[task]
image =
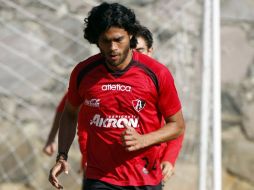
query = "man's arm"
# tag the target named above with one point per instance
(172, 149)
(173, 128)
(169, 156)
(67, 131)
(50, 146)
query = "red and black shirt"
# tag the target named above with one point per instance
(140, 95)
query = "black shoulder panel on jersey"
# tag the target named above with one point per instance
(149, 72)
(87, 69)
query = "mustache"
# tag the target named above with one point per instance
(113, 53)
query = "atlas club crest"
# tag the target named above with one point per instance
(138, 104)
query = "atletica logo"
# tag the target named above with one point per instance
(93, 102)
(116, 87)
(114, 121)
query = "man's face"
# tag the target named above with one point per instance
(142, 46)
(114, 44)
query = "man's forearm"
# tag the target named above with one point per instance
(168, 132)
(67, 131)
(172, 150)
(174, 127)
(54, 128)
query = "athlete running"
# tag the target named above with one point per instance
(124, 95)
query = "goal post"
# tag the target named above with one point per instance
(211, 98)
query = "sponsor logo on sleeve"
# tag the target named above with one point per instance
(93, 103)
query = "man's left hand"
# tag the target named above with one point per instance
(167, 170)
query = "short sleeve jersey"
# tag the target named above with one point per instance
(138, 96)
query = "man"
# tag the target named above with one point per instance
(171, 149)
(144, 41)
(124, 95)
(169, 152)
(144, 45)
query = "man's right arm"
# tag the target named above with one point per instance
(67, 130)
(50, 146)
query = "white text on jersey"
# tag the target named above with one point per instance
(115, 122)
(116, 87)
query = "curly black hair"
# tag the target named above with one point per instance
(106, 15)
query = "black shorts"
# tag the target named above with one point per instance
(93, 184)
